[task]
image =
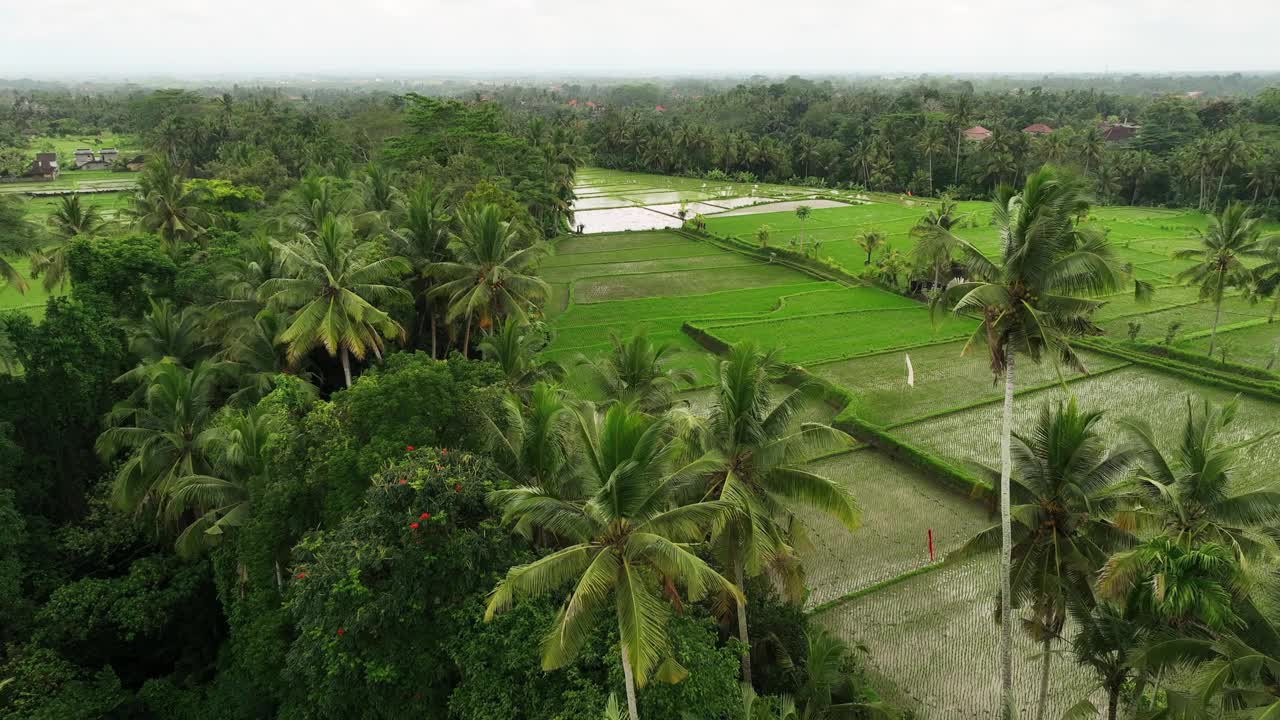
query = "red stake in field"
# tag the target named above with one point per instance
(930, 544)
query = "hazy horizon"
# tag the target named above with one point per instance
(57, 39)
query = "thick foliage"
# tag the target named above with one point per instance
(371, 600)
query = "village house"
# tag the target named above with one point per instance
(86, 159)
(44, 167)
(977, 133)
(1118, 132)
(1037, 129)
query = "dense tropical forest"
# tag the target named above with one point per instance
(1183, 152)
(292, 424)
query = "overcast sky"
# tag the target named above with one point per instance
(135, 37)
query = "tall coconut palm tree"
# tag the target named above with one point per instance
(1108, 638)
(378, 192)
(515, 347)
(71, 219)
(16, 238)
(491, 276)
(1092, 146)
(934, 251)
(1178, 583)
(1232, 238)
(1230, 151)
(238, 278)
(1066, 484)
(166, 206)
(236, 449)
(338, 293)
(629, 543)
(760, 449)
(959, 112)
(68, 220)
(1030, 303)
(870, 241)
(169, 331)
(423, 239)
(802, 213)
(1201, 156)
(256, 359)
(1266, 280)
(636, 372)
(1238, 673)
(1138, 165)
(315, 199)
(932, 141)
(1189, 495)
(160, 432)
(532, 440)
(762, 235)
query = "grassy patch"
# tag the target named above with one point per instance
(31, 302)
(689, 282)
(890, 542)
(944, 378)
(932, 633)
(973, 435)
(814, 338)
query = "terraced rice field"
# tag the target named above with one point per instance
(890, 542)
(973, 435)
(923, 623)
(836, 334)
(944, 379)
(1257, 345)
(926, 631)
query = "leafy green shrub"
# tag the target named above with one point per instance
(46, 686)
(125, 271)
(500, 663)
(372, 600)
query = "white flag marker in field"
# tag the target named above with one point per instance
(911, 372)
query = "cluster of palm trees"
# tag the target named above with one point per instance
(1140, 559)
(632, 495)
(343, 272)
(1233, 254)
(1066, 500)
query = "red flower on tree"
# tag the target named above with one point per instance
(444, 451)
(425, 516)
(408, 448)
(403, 481)
(413, 525)
(341, 632)
(457, 487)
(300, 576)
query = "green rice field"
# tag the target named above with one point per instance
(31, 302)
(922, 621)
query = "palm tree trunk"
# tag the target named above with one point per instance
(466, 339)
(959, 139)
(742, 624)
(1217, 315)
(1113, 700)
(346, 365)
(1221, 178)
(1006, 545)
(1044, 679)
(930, 173)
(630, 681)
(1139, 689)
(431, 311)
